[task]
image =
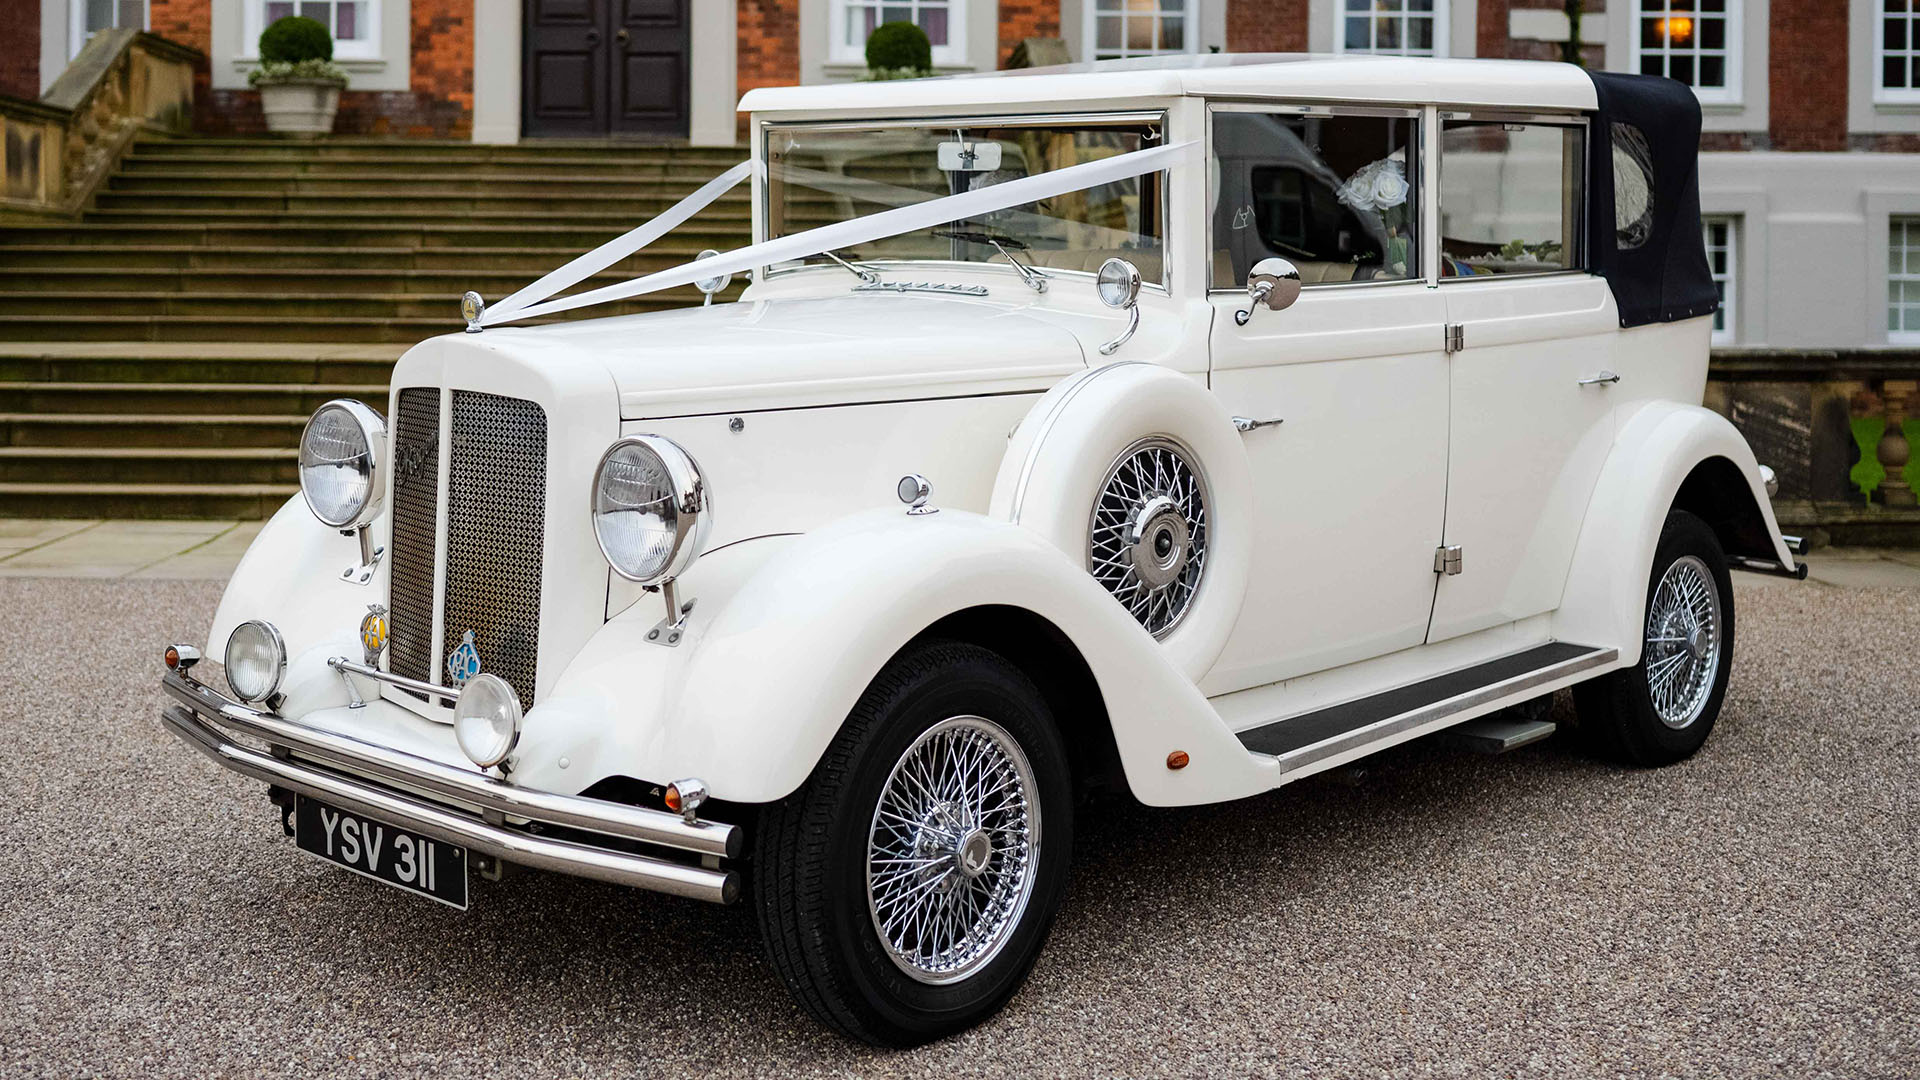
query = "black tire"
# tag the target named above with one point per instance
(1619, 717)
(811, 849)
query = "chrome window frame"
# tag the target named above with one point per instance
(1537, 118)
(1159, 117)
(1421, 115)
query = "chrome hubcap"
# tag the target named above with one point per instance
(1147, 540)
(1684, 634)
(952, 849)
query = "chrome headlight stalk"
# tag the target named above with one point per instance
(650, 517)
(343, 458)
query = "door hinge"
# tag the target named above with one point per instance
(1446, 560)
(1456, 337)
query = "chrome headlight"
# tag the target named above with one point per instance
(649, 509)
(341, 452)
(486, 720)
(256, 660)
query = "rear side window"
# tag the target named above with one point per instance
(1337, 196)
(1510, 198)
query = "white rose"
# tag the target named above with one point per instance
(1389, 189)
(1357, 192)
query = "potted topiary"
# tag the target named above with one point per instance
(898, 50)
(298, 81)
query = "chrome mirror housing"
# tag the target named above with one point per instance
(1118, 285)
(712, 285)
(1273, 282)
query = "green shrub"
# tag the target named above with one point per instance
(293, 39)
(897, 45)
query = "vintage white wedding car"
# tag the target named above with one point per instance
(1252, 414)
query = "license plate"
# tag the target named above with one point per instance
(383, 852)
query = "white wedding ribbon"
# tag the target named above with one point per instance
(860, 230)
(584, 267)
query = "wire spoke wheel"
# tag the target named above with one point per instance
(951, 853)
(1147, 540)
(1685, 632)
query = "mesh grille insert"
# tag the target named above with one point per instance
(416, 493)
(496, 530)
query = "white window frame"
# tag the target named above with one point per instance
(952, 54)
(1442, 25)
(1910, 223)
(1735, 19)
(255, 21)
(77, 23)
(1729, 281)
(1882, 93)
(1090, 29)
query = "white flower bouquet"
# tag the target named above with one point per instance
(1381, 190)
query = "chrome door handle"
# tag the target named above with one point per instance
(1605, 378)
(620, 35)
(1245, 424)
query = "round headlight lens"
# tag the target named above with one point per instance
(649, 509)
(1118, 283)
(256, 660)
(339, 458)
(486, 720)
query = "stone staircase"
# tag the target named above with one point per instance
(159, 356)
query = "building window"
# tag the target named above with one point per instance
(92, 16)
(1903, 281)
(1121, 28)
(1398, 27)
(1723, 262)
(945, 22)
(354, 24)
(1696, 42)
(1896, 44)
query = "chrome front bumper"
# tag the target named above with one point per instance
(479, 812)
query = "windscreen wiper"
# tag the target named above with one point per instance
(1005, 245)
(866, 276)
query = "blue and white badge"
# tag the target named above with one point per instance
(463, 663)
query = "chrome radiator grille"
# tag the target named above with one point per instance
(496, 533)
(416, 495)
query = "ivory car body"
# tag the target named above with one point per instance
(1331, 403)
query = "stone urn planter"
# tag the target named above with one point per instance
(302, 108)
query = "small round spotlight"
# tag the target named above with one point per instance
(486, 720)
(256, 660)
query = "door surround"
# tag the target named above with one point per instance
(497, 75)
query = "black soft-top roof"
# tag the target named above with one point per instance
(1644, 200)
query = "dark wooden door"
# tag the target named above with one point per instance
(605, 67)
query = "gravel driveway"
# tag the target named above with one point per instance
(1752, 912)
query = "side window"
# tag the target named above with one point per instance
(1338, 196)
(1510, 198)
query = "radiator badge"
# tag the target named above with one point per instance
(373, 634)
(463, 663)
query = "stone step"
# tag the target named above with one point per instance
(528, 185)
(359, 233)
(533, 261)
(173, 399)
(121, 500)
(442, 309)
(278, 466)
(223, 328)
(150, 362)
(380, 147)
(421, 202)
(408, 166)
(609, 221)
(79, 430)
(26, 284)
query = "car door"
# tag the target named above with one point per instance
(1532, 414)
(1349, 484)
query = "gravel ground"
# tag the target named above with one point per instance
(1752, 912)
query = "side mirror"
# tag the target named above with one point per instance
(1273, 282)
(1118, 286)
(711, 285)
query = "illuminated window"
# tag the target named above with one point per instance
(1696, 42)
(1398, 27)
(943, 20)
(1896, 40)
(1723, 263)
(1121, 28)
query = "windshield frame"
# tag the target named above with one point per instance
(1160, 118)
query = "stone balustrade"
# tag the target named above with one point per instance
(59, 148)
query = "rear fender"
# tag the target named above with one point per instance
(788, 632)
(1662, 451)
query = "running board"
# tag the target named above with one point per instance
(1299, 742)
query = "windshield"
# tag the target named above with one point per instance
(823, 175)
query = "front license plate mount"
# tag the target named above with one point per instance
(386, 853)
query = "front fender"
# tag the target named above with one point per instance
(788, 632)
(1657, 447)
